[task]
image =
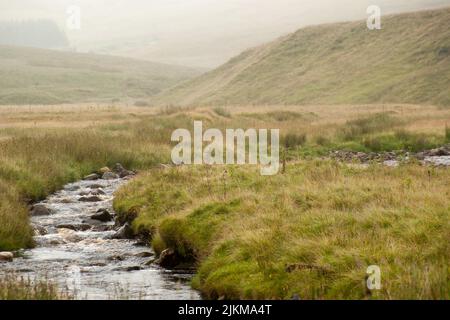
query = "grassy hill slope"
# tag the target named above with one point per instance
(407, 61)
(40, 76)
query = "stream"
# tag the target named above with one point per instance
(80, 255)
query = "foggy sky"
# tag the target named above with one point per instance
(201, 33)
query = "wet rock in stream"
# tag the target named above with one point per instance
(102, 215)
(40, 210)
(6, 256)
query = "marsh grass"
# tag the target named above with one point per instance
(332, 219)
(242, 230)
(13, 287)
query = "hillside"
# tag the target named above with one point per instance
(40, 76)
(408, 61)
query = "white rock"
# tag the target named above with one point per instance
(6, 256)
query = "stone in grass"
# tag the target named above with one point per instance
(102, 215)
(40, 210)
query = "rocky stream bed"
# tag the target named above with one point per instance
(81, 248)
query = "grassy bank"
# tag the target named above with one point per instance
(312, 231)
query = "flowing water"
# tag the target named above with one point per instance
(90, 264)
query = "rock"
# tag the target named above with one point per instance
(93, 192)
(39, 230)
(133, 268)
(116, 258)
(103, 170)
(92, 176)
(125, 232)
(103, 216)
(69, 235)
(121, 171)
(168, 259)
(90, 199)
(118, 168)
(98, 192)
(420, 156)
(74, 227)
(6, 256)
(110, 176)
(72, 188)
(128, 269)
(95, 186)
(92, 222)
(144, 254)
(40, 210)
(101, 227)
(439, 152)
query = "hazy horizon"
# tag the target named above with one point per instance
(197, 33)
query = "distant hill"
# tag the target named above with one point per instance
(41, 76)
(407, 61)
(32, 33)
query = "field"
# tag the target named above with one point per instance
(40, 76)
(310, 231)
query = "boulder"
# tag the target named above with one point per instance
(118, 168)
(6, 257)
(91, 222)
(168, 259)
(103, 170)
(39, 230)
(74, 227)
(121, 171)
(102, 215)
(72, 188)
(69, 235)
(125, 232)
(101, 227)
(144, 254)
(90, 199)
(110, 176)
(98, 192)
(95, 186)
(40, 210)
(92, 176)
